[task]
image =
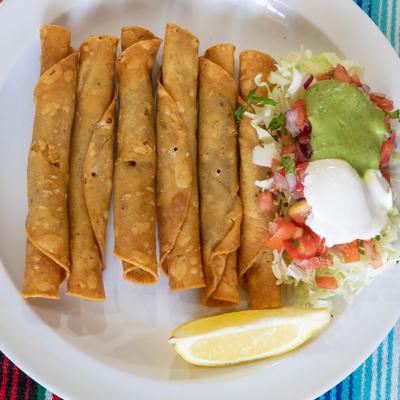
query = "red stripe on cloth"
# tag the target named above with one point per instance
(4, 376)
(28, 386)
(55, 397)
(14, 383)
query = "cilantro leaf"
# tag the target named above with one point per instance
(288, 165)
(286, 257)
(395, 114)
(277, 122)
(259, 100)
(240, 111)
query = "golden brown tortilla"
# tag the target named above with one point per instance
(255, 257)
(47, 252)
(135, 167)
(55, 45)
(220, 205)
(91, 165)
(177, 190)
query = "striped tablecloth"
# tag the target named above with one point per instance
(377, 379)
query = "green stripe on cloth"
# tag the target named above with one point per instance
(41, 393)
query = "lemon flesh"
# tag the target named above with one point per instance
(244, 336)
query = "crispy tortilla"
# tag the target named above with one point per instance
(135, 167)
(91, 154)
(47, 252)
(220, 205)
(255, 257)
(177, 186)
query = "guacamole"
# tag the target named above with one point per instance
(345, 125)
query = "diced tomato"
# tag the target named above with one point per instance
(325, 75)
(387, 122)
(386, 175)
(306, 246)
(340, 74)
(290, 149)
(301, 118)
(349, 251)
(387, 149)
(274, 165)
(298, 211)
(355, 80)
(323, 250)
(298, 233)
(313, 262)
(327, 282)
(372, 254)
(286, 139)
(301, 171)
(284, 231)
(266, 201)
(382, 102)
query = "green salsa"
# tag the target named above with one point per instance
(345, 125)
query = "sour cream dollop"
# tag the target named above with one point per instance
(344, 206)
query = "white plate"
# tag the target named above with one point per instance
(118, 349)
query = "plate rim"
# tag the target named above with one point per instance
(345, 6)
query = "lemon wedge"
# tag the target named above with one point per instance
(249, 335)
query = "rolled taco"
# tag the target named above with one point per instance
(47, 252)
(135, 166)
(177, 185)
(220, 205)
(255, 262)
(91, 166)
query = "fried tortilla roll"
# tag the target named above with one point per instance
(47, 252)
(177, 186)
(255, 257)
(92, 146)
(220, 205)
(135, 167)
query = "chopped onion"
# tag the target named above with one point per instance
(303, 151)
(280, 181)
(290, 117)
(307, 82)
(265, 184)
(263, 155)
(365, 88)
(296, 82)
(259, 82)
(292, 182)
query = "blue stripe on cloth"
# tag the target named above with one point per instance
(346, 384)
(339, 391)
(379, 372)
(388, 386)
(367, 378)
(393, 23)
(356, 391)
(383, 16)
(375, 12)
(366, 6)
